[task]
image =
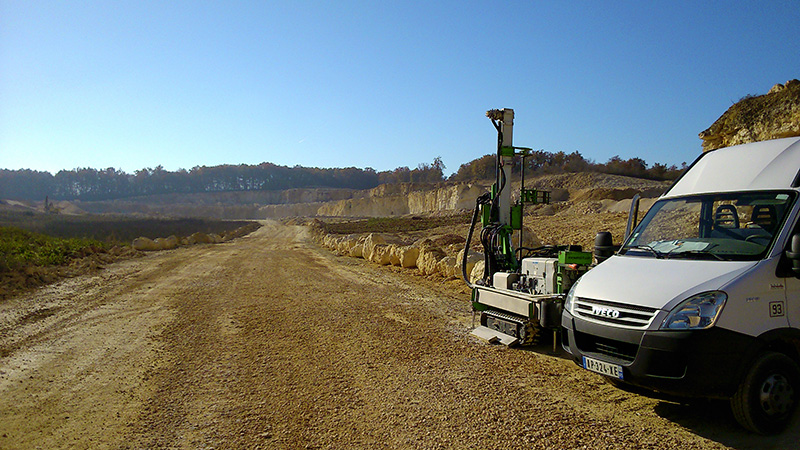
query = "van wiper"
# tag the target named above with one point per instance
(695, 254)
(648, 248)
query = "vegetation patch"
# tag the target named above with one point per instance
(112, 229)
(19, 248)
(37, 249)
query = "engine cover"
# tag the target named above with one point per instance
(541, 275)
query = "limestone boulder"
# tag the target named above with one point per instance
(394, 254)
(380, 254)
(543, 210)
(472, 258)
(423, 243)
(370, 242)
(371, 255)
(529, 238)
(328, 241)
(171, 242)
(477, 272)
(447, 266)
(357, 251)
(428, 259)
(346, 244)
(333, 241)
(145, 244)
(446, 240)
(408, 256)
(201, 238)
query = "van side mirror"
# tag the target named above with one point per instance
(633, 216)
(794, 254)
(603, 246)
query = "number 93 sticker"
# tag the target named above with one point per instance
(776, 309)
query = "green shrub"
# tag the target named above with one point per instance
(19, 248)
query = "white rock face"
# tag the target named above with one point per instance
(290, 210)
(387, 201)
(448, 198)
(366, 207)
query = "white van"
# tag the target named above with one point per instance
(703, 298)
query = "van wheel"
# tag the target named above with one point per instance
(767, 399)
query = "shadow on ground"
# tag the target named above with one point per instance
(713, 419)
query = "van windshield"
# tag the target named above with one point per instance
(737, 226)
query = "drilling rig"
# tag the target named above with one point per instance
(521, 293)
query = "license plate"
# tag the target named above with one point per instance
(602, 367)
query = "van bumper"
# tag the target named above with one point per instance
(701, 363)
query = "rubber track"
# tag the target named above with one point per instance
(532, 331)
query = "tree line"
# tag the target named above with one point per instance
(540, 162)
(89, 184)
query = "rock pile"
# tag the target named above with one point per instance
(145, 244)
(440, 255)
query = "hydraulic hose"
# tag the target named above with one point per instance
(478, 202)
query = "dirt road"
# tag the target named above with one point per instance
(272, 342)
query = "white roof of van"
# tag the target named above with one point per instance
(757, 166)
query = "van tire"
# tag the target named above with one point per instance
(767, 398)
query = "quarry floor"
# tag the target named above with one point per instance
(272, 342)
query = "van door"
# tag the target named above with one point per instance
(791, 306)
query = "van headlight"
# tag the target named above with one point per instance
(696, 312)
(570, 296)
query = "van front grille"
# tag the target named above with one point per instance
(631, 316)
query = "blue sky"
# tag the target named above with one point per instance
(374, 84)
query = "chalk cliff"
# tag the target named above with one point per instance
(408, 198)
(773, 115)
(387, 201)
(378, 204)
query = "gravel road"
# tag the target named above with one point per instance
(271, 342)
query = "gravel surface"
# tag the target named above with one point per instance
(271, 342)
